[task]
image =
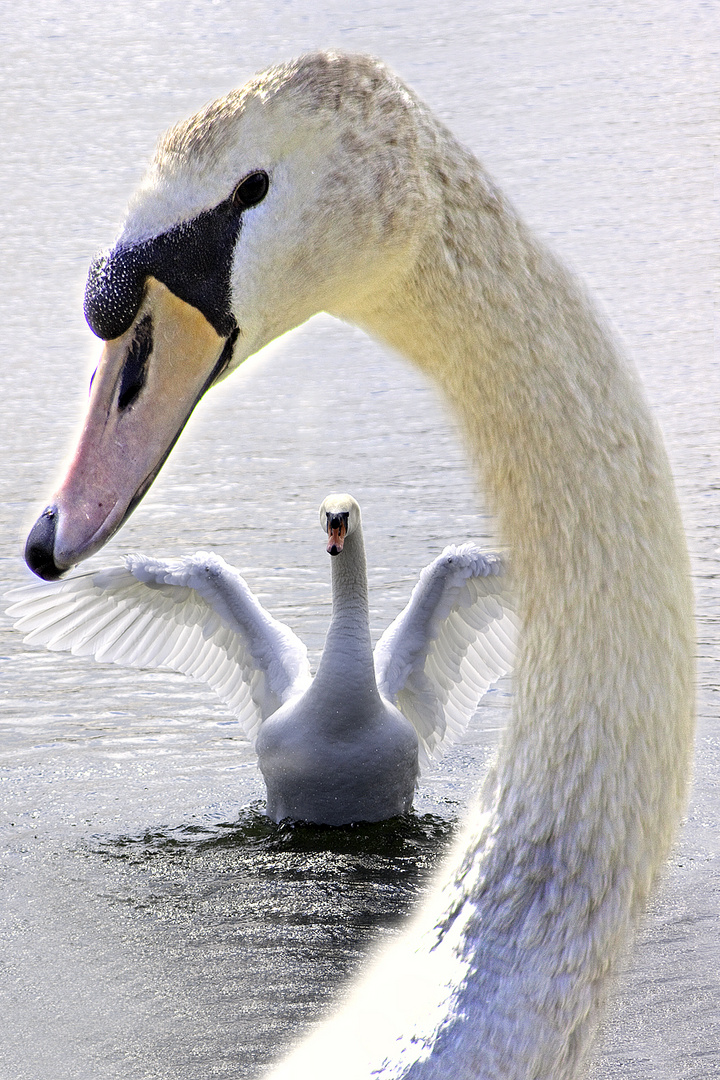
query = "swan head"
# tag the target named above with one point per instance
(339, 518)
(303, 191)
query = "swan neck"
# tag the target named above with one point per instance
(348, 648)
(575, 471)
(513, 954)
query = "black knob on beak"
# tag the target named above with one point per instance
(40, 546)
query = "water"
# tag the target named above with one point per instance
(153, 924)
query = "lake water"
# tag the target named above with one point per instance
(153, 924)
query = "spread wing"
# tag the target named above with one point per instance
(453, 640)
(195, 615)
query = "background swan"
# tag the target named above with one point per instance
(376, 214)
(338, 748)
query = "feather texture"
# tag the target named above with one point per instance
(455, 637)
(195, 615)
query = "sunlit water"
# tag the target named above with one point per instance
(154, 924)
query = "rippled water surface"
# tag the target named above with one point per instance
(153, 923)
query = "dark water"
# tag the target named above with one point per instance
(152, 923)
(269, 918)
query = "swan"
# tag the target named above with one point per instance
(325, 184)
(344, 746)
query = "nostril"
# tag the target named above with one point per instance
(134, 372)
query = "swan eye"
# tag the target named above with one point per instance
(251, 190)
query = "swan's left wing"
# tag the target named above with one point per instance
(453, 640)
(195, 615)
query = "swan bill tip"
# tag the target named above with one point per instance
(40, 546)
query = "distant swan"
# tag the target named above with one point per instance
(338, 748)
(325, 184)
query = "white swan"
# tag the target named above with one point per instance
(324, 184)
(345, 746)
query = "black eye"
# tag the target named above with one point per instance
(251, 190)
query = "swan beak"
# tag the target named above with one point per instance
(337, 529)
(146, 385)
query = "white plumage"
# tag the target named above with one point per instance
(196, 615)
(374, 212)
(453, 640)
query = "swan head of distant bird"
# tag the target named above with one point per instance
(339, 517)
(301, 192)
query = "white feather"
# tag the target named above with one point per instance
(452, 641)
(195, 615)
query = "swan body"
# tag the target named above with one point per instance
(332, 749)
(375, 213)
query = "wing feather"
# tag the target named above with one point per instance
(195, 615)
(455, 637)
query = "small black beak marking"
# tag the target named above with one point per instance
(134, 372)
(225, 358)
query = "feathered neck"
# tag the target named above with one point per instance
(592, 774)
(347, 659)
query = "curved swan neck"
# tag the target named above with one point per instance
(575, 471)
(592, 774)
(569, 455)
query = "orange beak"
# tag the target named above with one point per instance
(147, 383)
(336, 535)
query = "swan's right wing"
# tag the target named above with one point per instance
(195, 615)
(453, 640)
